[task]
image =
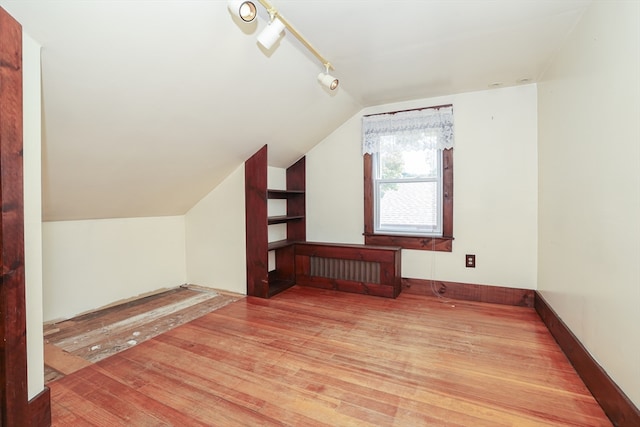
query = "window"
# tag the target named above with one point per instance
(408, 168)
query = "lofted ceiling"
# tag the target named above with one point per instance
(149, 104)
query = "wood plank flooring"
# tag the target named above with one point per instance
(312, 357)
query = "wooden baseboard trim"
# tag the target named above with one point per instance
(40, 409)
(620, 410)
(470, 292)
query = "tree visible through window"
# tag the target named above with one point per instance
(409, 178)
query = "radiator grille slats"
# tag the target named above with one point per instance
(345, 269)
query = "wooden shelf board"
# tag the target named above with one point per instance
(277, 286)
(280, 244)
(283, 194)
(283, 219)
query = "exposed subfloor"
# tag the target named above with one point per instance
(73, 344)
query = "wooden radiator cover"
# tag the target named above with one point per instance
(365, 269)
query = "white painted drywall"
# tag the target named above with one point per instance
(495, 189)
(276, 180)
(215, 237)
(32, 211)
(589, 210)
(92, 263)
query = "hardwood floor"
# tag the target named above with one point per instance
(311, 357)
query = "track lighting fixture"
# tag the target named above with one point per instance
(327, 79)
(246, 11)
(271, 34)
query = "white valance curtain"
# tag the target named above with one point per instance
(408, 124)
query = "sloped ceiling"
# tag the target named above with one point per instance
(148, 105)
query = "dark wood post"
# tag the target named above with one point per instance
(14, 409)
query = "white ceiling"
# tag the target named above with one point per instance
(148, 105)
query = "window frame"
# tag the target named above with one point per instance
(428, 243)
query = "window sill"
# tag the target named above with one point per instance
(423, 243)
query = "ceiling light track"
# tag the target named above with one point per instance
(246, 11)
(273, 13)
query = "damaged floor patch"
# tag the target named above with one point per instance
(100, 334)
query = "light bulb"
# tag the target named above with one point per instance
(245, 10)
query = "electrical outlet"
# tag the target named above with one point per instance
(470, 261)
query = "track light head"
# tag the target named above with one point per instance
(243, 9)
(271, 34)
(328, 81)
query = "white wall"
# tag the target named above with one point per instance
(32, 212)
(589, 112)
(276, 180)
(495, 189)
(92, 263)
(215, 237)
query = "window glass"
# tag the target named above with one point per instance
(405, 158)
(410, 207)
(408, 188)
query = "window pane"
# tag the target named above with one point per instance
(408, 158)
(408, 207)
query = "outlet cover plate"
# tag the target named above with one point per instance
(470, 261)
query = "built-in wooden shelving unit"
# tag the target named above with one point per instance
(261, 282)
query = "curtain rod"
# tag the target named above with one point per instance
(437, 107)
